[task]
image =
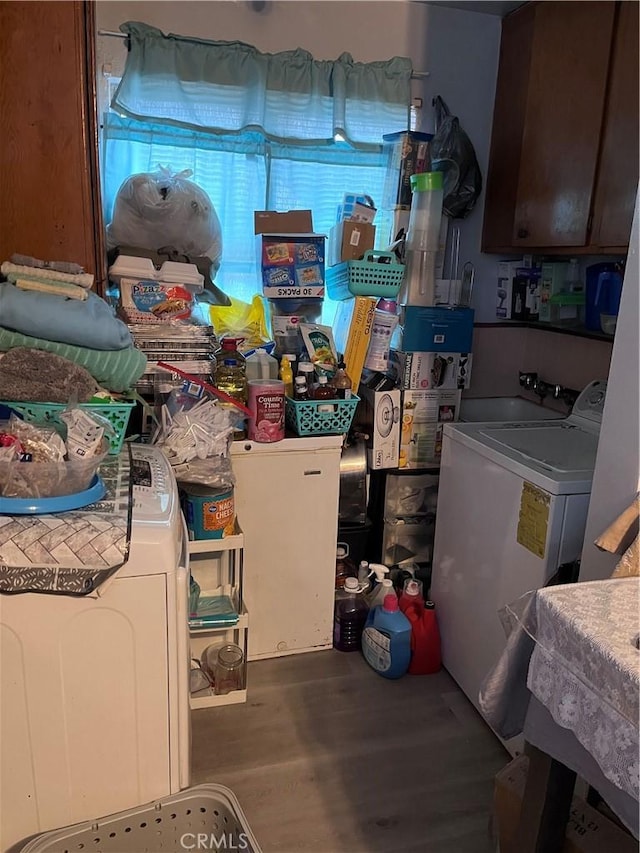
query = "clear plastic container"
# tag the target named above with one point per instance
(425, 217)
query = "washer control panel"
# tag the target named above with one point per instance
(153, 484)
(590, 403)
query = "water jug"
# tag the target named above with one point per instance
(350, 615)
(386, 639)
(595, 291)
(423, 237)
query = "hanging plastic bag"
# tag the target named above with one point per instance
(241, 319)
(158, 209)
(453, 154)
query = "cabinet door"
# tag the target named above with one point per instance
(565, 108)
(48, 162)
(287, 506)
(508, 124)
(617, 181)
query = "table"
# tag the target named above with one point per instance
(569, 679)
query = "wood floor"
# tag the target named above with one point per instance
(327, 756)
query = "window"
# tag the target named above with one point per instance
(255, 166)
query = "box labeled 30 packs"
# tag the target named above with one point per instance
(430, 370)
(424, 414)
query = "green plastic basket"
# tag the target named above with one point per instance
(368, 277)
(320, 417)
(49, 413)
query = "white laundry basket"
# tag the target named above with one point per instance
(202, 818)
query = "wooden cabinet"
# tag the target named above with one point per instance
(564, 151)
(48, 156)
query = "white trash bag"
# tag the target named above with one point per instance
(153, 210)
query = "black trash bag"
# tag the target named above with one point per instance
(453, 154)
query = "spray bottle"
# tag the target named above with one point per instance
(381, 586)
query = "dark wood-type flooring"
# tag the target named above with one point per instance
(327, 756)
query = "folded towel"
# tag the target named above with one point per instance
(57, 288)
(58, 266)
(81, 279)
(116, 371)
(84, 324)
(43, 377)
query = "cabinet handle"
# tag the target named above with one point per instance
(311, 473)
(522, 233)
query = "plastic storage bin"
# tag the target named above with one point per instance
(320, 417)
(171, 824)
(367, 277)
(49, 413)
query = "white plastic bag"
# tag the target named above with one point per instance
(158, 209)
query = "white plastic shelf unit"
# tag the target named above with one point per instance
(217, 566)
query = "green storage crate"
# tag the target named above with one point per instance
(320, 417)
(367, 277)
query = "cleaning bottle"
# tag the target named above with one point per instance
(386, 639)
(378, 589)
(286, 374)
(425, 638)
(350, 614)
(363, 576)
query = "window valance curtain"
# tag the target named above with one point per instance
(231, 87)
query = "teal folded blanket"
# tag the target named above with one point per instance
(115, 370)
(89, 323)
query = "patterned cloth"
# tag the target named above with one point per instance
(70, 553)
(585, 669)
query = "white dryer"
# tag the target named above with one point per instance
(512, 508)
(94, 701)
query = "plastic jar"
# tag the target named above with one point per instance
(425, 217)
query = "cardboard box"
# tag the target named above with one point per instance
(552, 279)
(504, 292)
(290, 255)
(352, 331)
(430, 370)
(526, 294)
(424, 414)
(348, 241)
(379, 411)
(434, 329)
(588, 830)
(406, 153)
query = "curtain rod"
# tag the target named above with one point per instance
(416, 75)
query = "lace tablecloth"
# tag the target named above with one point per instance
(585, 669)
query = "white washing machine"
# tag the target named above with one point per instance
(512, 508)
(94, 701)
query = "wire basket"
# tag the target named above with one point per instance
(170, 825)
(320, 417)
(49, 413)
(367, 277)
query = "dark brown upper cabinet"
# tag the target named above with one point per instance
(563, 167)
(48, 156)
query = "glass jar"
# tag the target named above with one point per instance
(229, 669)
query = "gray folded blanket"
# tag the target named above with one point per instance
(35, 376)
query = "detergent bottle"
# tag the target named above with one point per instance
(379, 588)
(425, 638)
(386, 639)
(411, 595)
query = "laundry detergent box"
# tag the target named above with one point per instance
(430, 370)
(434, 329)
(291, 257)
(379, 415)
(424, 414)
